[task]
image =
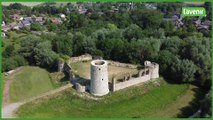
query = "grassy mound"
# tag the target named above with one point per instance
(29, 82)
(138, 101)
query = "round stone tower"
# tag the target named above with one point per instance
(99, 78)
(154, 68)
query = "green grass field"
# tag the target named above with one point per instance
(29, 82)
(138, 101)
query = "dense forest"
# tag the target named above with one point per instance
(126, 35)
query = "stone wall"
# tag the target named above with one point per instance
(85, 57)
(80, 88)
(118, 64)
(65, 66)
(13, 71)
(148, 73)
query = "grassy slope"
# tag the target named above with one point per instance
(182, 101)
(130, 102)
(30, 81)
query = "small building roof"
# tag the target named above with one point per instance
(6, 28)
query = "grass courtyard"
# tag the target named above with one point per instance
(139, 101)
(29, 82)
(83, 70)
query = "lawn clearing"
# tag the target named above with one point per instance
(132, 102)
(29, 82)
(83, 70)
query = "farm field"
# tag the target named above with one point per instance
(132, 102)
(29, 82)
(83, 70)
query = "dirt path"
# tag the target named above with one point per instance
(6, 93)
(6, 87)
(9, 109)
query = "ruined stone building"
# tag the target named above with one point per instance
(99, 85)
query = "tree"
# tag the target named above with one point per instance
(77, 20)
(9, 51)
(206, 105)
(8, 64)
(121, 19)
(111, 27)
(44, 56)
(13, 62)
(17, 6)
(165, 60)
(132, 32)
(172, 44)
(100, 34)
(208, 7)
(183, 70)
(89, 45)
(199, 51)
(78, 40)
(156, 33)
(188, 22)
(35, 26)
(52, 26)
(146, 18)
(168, 27)
(37, 51)
(143, 49)
(28, 45)
(63, 44)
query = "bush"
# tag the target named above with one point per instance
(13, 62)
(35, 26)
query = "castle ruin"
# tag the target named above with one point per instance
(99, 84)
(151, 71)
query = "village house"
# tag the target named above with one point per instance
(176, 19)
(63, 16)
(3, 23)
(3, 34)
(40, 20)
(23, 23)
(16, 17)
(81, 10)
(6, 28)
(205, 25)
(56, 20)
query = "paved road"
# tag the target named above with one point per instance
(9, 109)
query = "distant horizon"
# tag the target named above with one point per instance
(24, 3)
(31, 4)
